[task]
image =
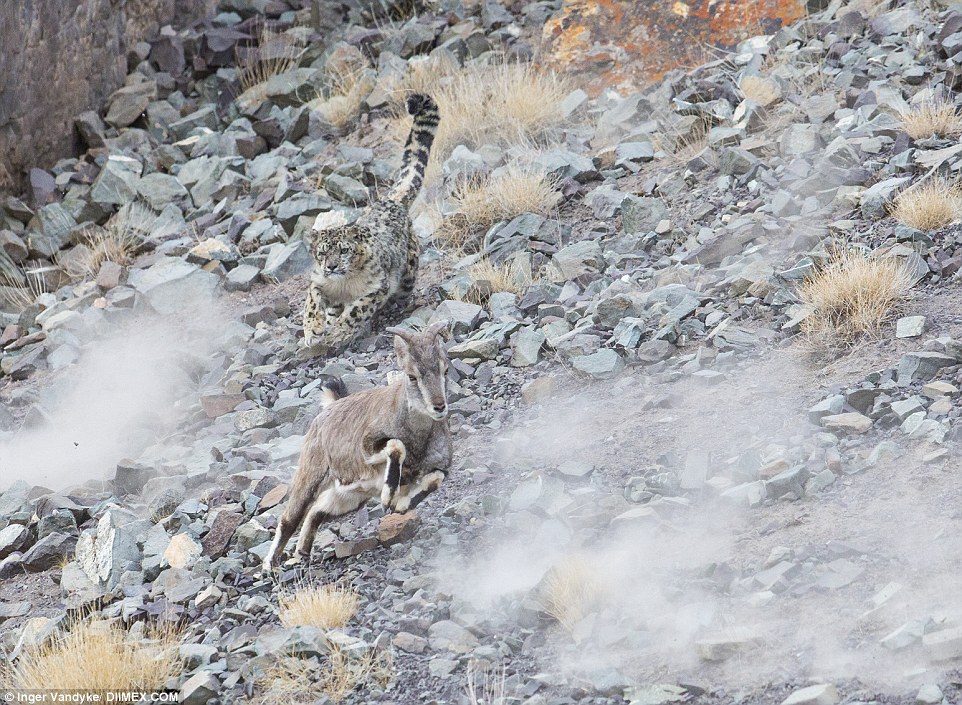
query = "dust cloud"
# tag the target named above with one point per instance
(672, 588)
(127, 390)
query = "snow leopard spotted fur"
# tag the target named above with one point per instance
(362, 267)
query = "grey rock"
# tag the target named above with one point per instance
(634, 152)
(483, 349)
(929, 694)
(13, 246)
(789, 481)
(906, 407)
(875, 198)
(943, 645)
(827, 407)
(605, 201)
(287, 260)
(641, 215)
(254, 418)
(160, 189)
(199, 689)
(49, 552)
(461, 316)
(127, 104)
(441, 667)
(13, 538)
(346, 190)
(723, 646)
(799, 140)
(563, 164)
(821, 694)
(604, 364)
(909, 326)
(14, 497)
(411, 643)
(450, 636)
(117, 182)
(241, 278)
(55, 223)
(205, 117)
(106, 551)
(526, 347)
(173, 285)
(91, 129)
(60, 521)
(916, 366)
(577, 259)
(851, 422)
(736, 161)
(12, 610)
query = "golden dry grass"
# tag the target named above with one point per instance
(485, 684)
(345, 673)
(348, 86)
(94, 656)
(290, 680)
(481, 202)
(852, 298)
(937, 118)
(930, 205)
(570, 591)
(508, 103)
(118, 242)
(20, 289)
(513, 275)
(300, 682)
(324, 606)
(275, 53)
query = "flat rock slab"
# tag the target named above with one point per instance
(395, 528)
(851, 422)
(450, 636)
(944, 645)
(727, 644)
(822, 694)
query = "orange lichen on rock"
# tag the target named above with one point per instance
(627, 45)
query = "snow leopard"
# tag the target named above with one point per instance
(362, 267)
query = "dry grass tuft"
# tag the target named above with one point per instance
(485, 684)
(325, 606)
(19, 290)
(497, 103)
(275, 53)
(117, 243)
(851, 298)
(930, 205)
(937, 118)
(290, 680)
(570, 591)
(301, 682)
(348, 86)
(481, 202)
(96, 657)
(513, 275)
(345, 673)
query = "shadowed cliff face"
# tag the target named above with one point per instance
(626, 45)
(59, 59)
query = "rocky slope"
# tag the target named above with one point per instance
(729, 520)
